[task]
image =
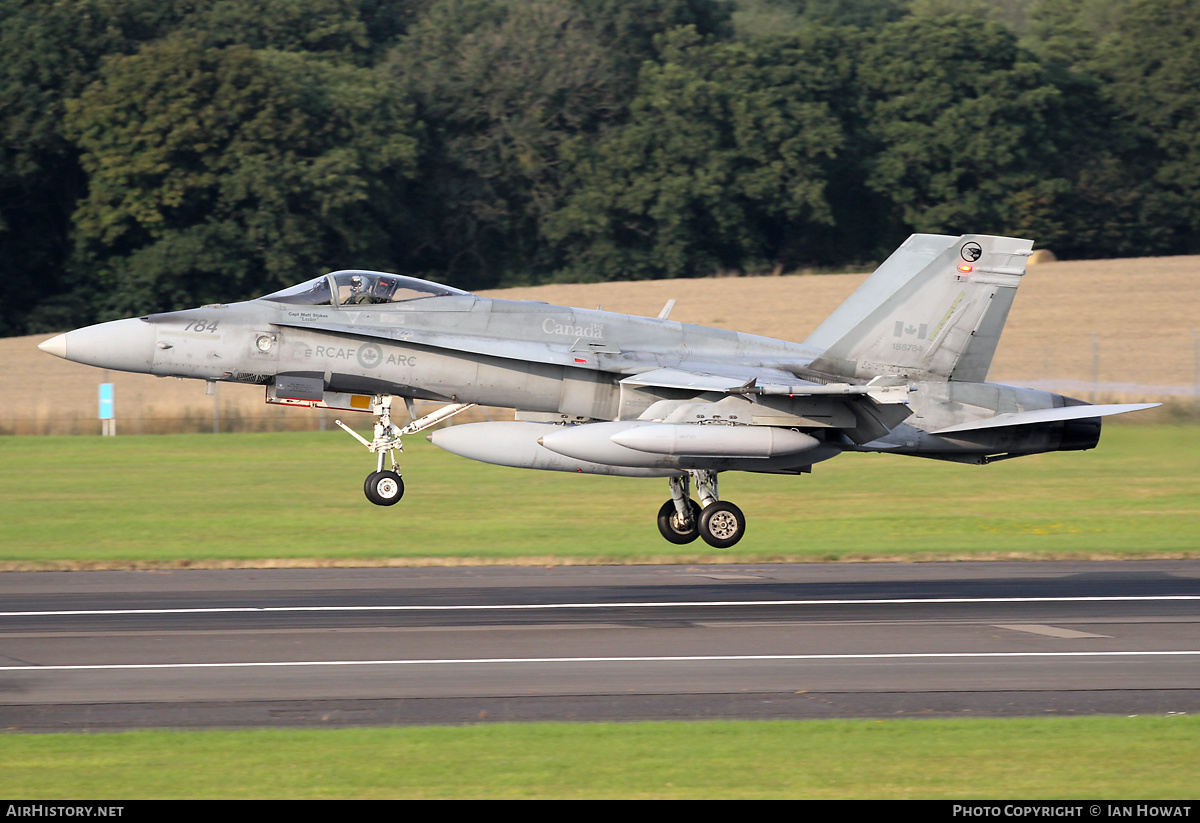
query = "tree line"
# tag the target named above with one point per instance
(159, 154)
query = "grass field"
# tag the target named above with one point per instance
(1143, 758)
(295, 499)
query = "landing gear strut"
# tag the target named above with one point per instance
(681, 519)
(385, 487)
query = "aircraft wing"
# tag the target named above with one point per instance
(733, 379)
(707, 378)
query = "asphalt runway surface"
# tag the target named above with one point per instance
(93, 651)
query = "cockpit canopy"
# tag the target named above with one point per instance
(361, 288)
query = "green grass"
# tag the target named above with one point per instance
(205, 499)
(1092, 758)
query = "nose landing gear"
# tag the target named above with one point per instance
(385, 487)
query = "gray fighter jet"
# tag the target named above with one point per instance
(900, 368)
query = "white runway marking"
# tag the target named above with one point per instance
(1048, 631)
(526, 660)
(645, 605)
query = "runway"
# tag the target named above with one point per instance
(92, 651)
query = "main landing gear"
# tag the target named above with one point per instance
(385, 487)
(681, 519)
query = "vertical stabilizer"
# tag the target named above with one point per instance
(934, 311)
(904, 264)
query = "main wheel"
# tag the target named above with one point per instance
(384, 488)
(722, 524)
(667, 519)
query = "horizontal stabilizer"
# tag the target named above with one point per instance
(1046, 416)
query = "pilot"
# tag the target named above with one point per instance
(357, 293)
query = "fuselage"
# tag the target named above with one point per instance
(451, 346)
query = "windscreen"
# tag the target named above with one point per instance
(314, 292)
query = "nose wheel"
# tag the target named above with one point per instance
(384, 488)
(681, 519)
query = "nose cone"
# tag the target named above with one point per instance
(125, 345)
(56, 346)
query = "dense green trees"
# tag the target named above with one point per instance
(723, 164)
(963, 127)
(164, 153)
(1150, 73)
(500, 88)
(226, 170)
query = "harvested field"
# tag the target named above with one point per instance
(1108, 330)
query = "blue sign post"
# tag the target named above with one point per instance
(108, 422)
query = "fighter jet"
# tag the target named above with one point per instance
(899, 368)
